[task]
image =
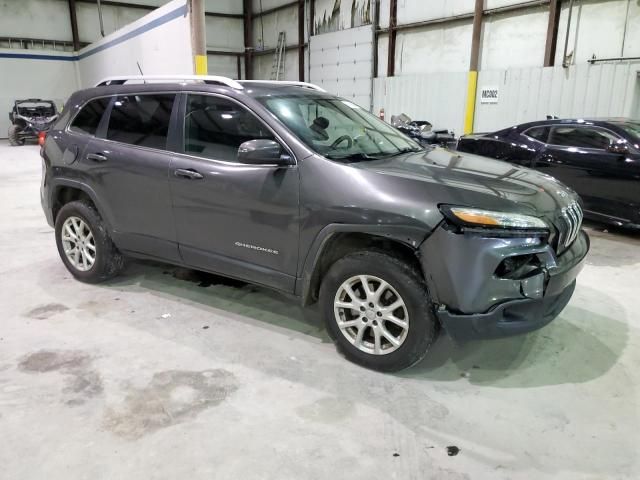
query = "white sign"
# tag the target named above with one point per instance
(489, 95)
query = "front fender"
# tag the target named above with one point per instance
(412, 236)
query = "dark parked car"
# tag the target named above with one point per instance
(284, 185)
(29, 118)
(599, 159)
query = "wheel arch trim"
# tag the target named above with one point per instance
(410, 236)
(60, 183)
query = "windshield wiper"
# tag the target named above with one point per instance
(355, 157)
(405, 150)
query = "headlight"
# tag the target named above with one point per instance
(475, 217)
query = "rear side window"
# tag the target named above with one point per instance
(141, 120)
(581, 137)
(88, 119)
(215, 127)
(538, 133)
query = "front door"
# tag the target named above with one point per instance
(607, 182)
(234, 219)
(129, 165)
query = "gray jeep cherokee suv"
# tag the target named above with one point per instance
(284, 185)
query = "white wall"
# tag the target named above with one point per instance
(164, 48)
(514, 39)
(113, 19)
(597, 27)
(47, 19)
(33, 78)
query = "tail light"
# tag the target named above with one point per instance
(42, 136)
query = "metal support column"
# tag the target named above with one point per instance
(74, 25)
(248, 39)
(393, 23)
(472, 81)
(552, 33)
(301, 40)
(198, 37)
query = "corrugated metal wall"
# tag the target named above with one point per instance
(436, 97)
(601, 90)
(526, 94)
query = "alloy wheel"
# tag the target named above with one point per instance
(371, 314)
(78, 243)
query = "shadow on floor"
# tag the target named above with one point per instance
(579, 346)
(230, 295)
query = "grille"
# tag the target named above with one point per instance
(570, 220)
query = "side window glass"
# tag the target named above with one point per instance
(538, 133)
(141, 120)
(215, 127)
(581, 137)
(88, 119)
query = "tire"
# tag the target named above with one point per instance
(404, 283)
(14, 140)
(107, 260)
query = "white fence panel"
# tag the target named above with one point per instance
(436, 97)
(601, 90)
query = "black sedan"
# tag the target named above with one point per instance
(599, 159)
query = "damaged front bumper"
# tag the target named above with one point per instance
(476, 297)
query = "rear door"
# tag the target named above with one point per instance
(578, 156)
(236, 219)
(128, 164)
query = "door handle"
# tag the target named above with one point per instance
(188, 173)
(96, 157)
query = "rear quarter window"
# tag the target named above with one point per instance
(141, 120)
(538, 133)
(89, 116)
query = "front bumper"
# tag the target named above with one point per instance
(473, 302)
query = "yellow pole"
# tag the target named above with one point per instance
(470, 107)
(201, 65)
(198, 37)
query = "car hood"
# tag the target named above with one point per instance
(459, 178)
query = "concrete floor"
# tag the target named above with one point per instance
(165, 375)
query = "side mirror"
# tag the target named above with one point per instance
(263, 152)
(620, 147)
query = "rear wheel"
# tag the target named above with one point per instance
(377, 310)
(84, 244)
(14, 138)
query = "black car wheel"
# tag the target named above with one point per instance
(14, 139)
(377, 310)
(84, 244)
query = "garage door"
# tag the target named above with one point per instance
(341, 63)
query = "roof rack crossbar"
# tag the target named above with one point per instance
(215, 79)
(286, 82)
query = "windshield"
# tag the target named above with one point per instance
(336, 128)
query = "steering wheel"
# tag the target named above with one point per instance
(341, 139)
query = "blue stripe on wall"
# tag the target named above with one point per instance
(32, 56)
(167, 17)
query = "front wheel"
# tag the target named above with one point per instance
(14, 138)
(377, 309)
